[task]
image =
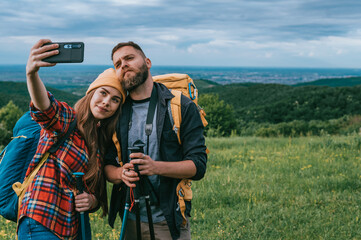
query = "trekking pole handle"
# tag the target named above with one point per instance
(79, 181)
(80, 187)
(138, 147)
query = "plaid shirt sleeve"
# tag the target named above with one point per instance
(56, 118)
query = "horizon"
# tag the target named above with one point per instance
(192, 66)
(224, 33)
(86, 73)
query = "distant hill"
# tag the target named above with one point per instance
(252, 102)
(333, 82)
(275, 103)
(204, 84)
(18, 93)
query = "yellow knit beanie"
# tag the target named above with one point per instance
(108, 78)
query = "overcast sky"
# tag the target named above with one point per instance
(274, 33)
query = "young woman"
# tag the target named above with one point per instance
(50, 205)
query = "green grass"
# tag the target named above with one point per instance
(270, 188)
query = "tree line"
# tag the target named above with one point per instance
(239, 109)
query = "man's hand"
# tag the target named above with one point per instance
(146, 165)
(129, 176)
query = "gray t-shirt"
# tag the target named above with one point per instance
(137, 132)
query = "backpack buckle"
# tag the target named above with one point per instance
(180, 193)
(190, 85)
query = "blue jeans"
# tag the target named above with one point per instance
(32, 230)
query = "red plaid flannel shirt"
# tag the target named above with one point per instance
(50, 197)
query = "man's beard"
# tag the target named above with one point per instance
(131, 83)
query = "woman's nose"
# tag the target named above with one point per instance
(106, 101)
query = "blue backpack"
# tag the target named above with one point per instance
(14, 162)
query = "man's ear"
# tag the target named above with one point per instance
(148, 62)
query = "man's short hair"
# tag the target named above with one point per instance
(130, 44)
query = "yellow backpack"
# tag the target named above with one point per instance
(181, 84)
(178, 84)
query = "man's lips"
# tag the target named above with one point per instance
(127, 71)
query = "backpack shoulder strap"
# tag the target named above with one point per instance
(117, 146)
(20, 188)
(175, 112)
(184, 191)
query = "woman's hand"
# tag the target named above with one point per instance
(36, 88)
(85, 202)
(37, 53)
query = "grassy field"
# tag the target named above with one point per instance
(270, 188)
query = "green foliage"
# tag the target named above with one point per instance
(253, 109)
(275, 103)
(204, 84)
(9, 115)
(346, 125)
(333, 82)
(220, 116)
(275, 109)
(298, 128)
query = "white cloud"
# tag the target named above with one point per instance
(234, 32)
(133, 2)
(168, 38)
(79, 9)
(268, 55)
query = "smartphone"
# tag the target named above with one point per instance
(69, 52)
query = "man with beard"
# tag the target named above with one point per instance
(165, 162)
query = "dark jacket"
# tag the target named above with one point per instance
(192, 148)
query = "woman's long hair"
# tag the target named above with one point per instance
(97, 138)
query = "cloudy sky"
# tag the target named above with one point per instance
(260, 33)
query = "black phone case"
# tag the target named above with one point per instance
(69, 52)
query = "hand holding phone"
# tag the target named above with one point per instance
(69, 52)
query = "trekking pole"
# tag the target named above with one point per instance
(149, 210)
(137, 204)
(125, 215)
(141, 189)
(137, 148)
(80, 187)
(127, 200)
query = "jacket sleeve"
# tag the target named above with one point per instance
(111, 157)
(192, 138)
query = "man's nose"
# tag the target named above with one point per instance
(125, 64)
